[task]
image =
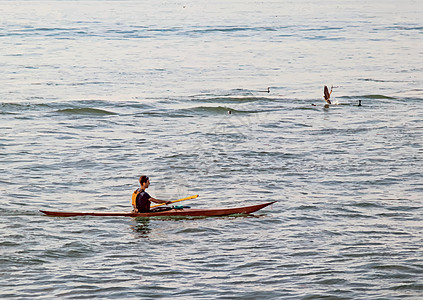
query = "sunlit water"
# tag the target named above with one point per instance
(94, 94)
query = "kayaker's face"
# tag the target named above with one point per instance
(147, 183)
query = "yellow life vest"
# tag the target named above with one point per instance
(134, 198)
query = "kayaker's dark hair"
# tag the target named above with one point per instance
(143, 179)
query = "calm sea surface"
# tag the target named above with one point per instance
(96, 93)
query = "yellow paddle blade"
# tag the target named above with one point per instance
(183, 199)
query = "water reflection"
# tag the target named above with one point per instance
(141, 228)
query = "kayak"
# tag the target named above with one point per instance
(189, 212)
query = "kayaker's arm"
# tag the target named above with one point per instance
(159, 201)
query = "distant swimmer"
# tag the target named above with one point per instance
(359, 103)
(327, 94)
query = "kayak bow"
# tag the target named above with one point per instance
(189, 212)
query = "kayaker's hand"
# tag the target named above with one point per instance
(168, 202)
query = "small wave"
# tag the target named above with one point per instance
(233, 29)
(48, 31)
(16, 212)
(85, 111)
(307, 207)
(366, 204)
(58, 107)
(197, 230)
(332, 281)
(411, 286)
(19, 107)
(411, 269)
(325, 28)
(6, 113)
(88, 83)
(240, 99)
(324, 38)
(175, 29)
(376, 97)
(402, 27)
(380, 80)
(213, 110)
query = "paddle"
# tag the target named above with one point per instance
(183, 199)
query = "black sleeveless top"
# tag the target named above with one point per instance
(143, 204)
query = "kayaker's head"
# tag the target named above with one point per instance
(144, 182)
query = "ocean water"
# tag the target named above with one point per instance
(96, 93)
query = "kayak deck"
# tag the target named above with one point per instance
(215, 212)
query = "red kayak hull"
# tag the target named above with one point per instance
(189, 212)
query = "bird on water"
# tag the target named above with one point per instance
(267, 91)
(326, 94)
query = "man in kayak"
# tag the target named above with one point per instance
(141, 200)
